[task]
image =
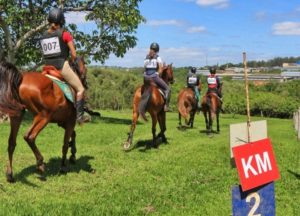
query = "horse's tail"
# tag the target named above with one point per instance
(146, 96)
(10, 80)
(182, 105)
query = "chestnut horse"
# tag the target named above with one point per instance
(211, 107)
(154, 104)
(42, 97)
(187, 105)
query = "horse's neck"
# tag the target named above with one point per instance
(164, 76)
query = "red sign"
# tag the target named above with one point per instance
(256, 164)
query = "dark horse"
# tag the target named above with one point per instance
(42, 97)
(187, 105)
(152, 101)
(211, 107)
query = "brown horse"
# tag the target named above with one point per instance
(42, 97)
(187, 105)
(154, 104)
(211, 107)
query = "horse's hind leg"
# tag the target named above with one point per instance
(72, 145)
(154, 122)
(135, 117)
(38, 124)
(218, 126)
(192, 118)
(179, 118)
(162, 125)
(15, 122)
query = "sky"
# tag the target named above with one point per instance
(210, 32)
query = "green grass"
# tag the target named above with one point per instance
(189, 176)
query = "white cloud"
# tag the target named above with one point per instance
(181, 56)
(286, 28)
(196, 29)
(164, 22)
(76, 17)
(219, 4)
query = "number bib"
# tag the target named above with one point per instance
(211, 80)
(51, 46)
(192, 80)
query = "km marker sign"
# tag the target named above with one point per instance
(255, 163)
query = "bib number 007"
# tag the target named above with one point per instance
(50, 46)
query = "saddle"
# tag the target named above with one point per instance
(55, 75)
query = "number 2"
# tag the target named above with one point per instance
(256, 204)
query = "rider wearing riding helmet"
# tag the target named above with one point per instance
(193, 82)
(214, 83)
(153, 68)
(57, 45)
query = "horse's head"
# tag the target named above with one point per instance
(167, 74)
(79, 67)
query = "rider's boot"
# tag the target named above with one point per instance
(168, 97)
(80, 117)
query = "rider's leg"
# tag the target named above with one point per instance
(161, 84)
(71, 78)
(197, 93)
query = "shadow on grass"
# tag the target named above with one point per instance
(297, 175)
(145, 145)
(53, 169)
(112, 120)
(212, 132)
(184, 127)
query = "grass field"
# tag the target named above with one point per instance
(189, 176)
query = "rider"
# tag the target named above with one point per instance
(193, 82)
(153, 68)
(214, 83)
(57, 45)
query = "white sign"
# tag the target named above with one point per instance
(239, 133)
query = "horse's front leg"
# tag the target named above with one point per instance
(209, 121)
(69, 133)
(38, 124)
(15, 123)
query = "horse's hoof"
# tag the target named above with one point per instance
(126, 146)
(41, 168)
(10, 178)
(72, 159)
(63, 170)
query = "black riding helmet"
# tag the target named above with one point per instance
(193, 70)
(56, 15)
(213, 70)
(154, 46)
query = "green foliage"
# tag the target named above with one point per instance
(113, 88)
(189, 176)
(22, 23)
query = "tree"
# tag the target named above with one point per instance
(23, 21)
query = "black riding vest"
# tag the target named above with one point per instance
(192, 80)
(54, 49)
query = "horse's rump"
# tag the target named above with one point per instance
(186, 102)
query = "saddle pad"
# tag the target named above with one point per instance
(64, 87)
